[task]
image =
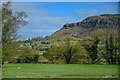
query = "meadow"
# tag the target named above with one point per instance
(59, 71)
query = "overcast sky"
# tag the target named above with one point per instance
(44, 18)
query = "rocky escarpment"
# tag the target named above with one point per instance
(87, 25)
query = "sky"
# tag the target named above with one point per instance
(62, 0)
(44, 18)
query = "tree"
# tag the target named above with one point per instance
(108, 47)
(11, 21)
(111, 54)
(63, 53)
(26, 55)
(54, 54)
(92, 50)
(70, 52)
(35, 58)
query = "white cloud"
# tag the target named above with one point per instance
(102, 8)
(41, 22)
(43, 30)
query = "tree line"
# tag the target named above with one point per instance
(89, 50)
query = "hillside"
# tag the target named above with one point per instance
(76, 31)
(85, 26)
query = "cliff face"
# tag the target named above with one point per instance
(87, 25)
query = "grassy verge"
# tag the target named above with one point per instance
(59, 71)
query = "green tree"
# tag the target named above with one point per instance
(54, 54)
(69, 52)
(111, 50)
(92, 50)
(35, 58)
(108, 47)
(63, 53)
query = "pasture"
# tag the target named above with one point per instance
(59, 71)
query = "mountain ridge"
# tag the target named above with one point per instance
(87, 25)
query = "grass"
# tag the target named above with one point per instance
(59, 71)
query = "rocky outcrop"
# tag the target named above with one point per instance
(88, 24)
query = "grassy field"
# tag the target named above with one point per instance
(59, 71)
